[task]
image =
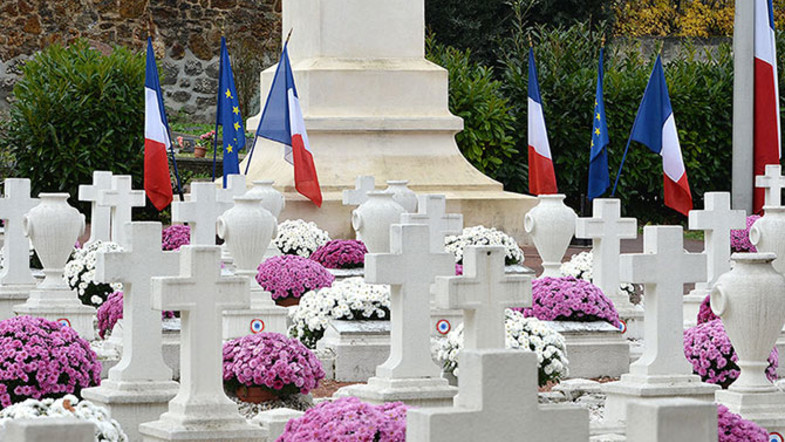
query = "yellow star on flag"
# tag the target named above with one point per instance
(236, 109)
(598, 116)
(592, 143)
(597, 131)
(228, 93)
(236, 125)
(229, 148)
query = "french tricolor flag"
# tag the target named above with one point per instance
(157, 183)
(656, 129)
(767, 109)
(282, 121)
(542, 179)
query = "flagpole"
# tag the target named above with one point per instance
(218, 104)
(256, 132)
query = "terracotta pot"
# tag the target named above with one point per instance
(199, 151)
(372, 220)
(551, 225)
(287, 302)
(254, 394)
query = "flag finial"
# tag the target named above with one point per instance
(531, 43)
(602, 41)
(289, 35)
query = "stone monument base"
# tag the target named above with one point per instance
(62, 306)
(586, 340)
(643, 388)
(423, 392)
(765, 409)
(632, 317)
(259, 318)
(443, 321)
(11, 296)
(221, 422)
(358, 348)
(132, 403)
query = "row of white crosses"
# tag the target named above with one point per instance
(112, 200)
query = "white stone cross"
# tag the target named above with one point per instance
(200, 212)
(716, 220)
(483, 292)
(16, 249)
(143, 259)
(773, 182)
(121, 198)
(663, 267)
(358, 195)
(606, 229)
(431, 212)
(201, 295)
(100, 216)
(410, 268)
(235, 186)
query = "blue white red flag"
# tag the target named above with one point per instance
(157, 182)
(542, 179)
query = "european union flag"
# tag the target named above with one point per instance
(228, 116)
(599, 181)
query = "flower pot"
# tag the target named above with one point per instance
(767, 233)
(247, 229)
(287, 302)
(200, 151)
(403, 195)
(53, 227)
(750, 299)
(254, 394)
(551, 225)
(272, 200)
(371, 221)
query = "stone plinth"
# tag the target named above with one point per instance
(632, 317)
(275, 420)
(358, 346)
(671, 420)
(11, 296)
(60, 305)
(263, 316)
(423, 392)
(48, 429)
(594, 349)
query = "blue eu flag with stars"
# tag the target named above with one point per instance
(228, 116)
(599, 181)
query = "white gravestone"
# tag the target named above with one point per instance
(773, 182)
(409, 374)
(121, 198)
(359, 195)
(672, 420)
(200, 410)
(100, 216)
(140, 385)
(662, 370)
(431, 211)
(716, 220)
(484, 406)
(47, 429)
(16, 280)
(200, 212)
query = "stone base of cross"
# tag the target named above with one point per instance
(263, 315)
(487, 407)
(11, 296)
(60, 305)
(632, 317)
(170, 431)
(415, 392)
(765, 409)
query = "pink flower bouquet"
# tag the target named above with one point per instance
(111, 311)
(175, 236)
(704, 313)
(569, 299)
(740, 239)
(289, 276)
(341, 254)
(733, 428)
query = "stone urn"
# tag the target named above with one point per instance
(750, 299)
(551, 225)
(403, 195)
(247, 230)
(767, 234)
(272, 200)
(53, 227)
(373, 218)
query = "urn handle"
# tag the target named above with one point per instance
(83, 226)
(755, 234)
(718, 300)
(528, 223)
(27, 226)
(223, 228)
(357, 220)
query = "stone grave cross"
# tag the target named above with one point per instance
(606, 229)
(663, 267)
(16, 249)
(121, 198)
(142, 360)
(483, 292)
(100, 216)
(235, 186)
(773, 182)
(410, 268)
(716, 220)
(200, 212)
(201, 295)
(431, 212)
(358, 195)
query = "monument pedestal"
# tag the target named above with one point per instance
(586, 340)
(645, 388)
(11, 296)
(216, 429)
(261, 317)
(358, 347)
(443, 320)
(765, 409)
(132, 403)
(60, 305)
(632, 317)
(424, 392)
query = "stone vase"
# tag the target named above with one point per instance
(53, 227)
(403, 195)
(247, 230)
(750, 299)
(373, 218)
(767, 233)
(272, 200)
(551, 225)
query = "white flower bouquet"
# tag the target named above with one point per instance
(106, 428)
(580, 267)
(520, 333)
(79, 272)
(348, 299)
(298, 237)
(483, 236)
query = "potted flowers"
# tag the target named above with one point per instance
(175, 236)
(265, 366)
(79, 272)
(200, 150)
(483, 236)
(298, 237)
(287, 277)
(341, 254)
(570, 299)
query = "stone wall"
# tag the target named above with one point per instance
(186, 35)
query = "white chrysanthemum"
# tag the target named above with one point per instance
(580, 267)
(298, 237)
(481, 235)
(79, 271)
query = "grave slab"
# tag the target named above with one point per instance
(47, 429)
(672, 420)
(358, 348)
(274, 421)
(586, 340)
(16, 279)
